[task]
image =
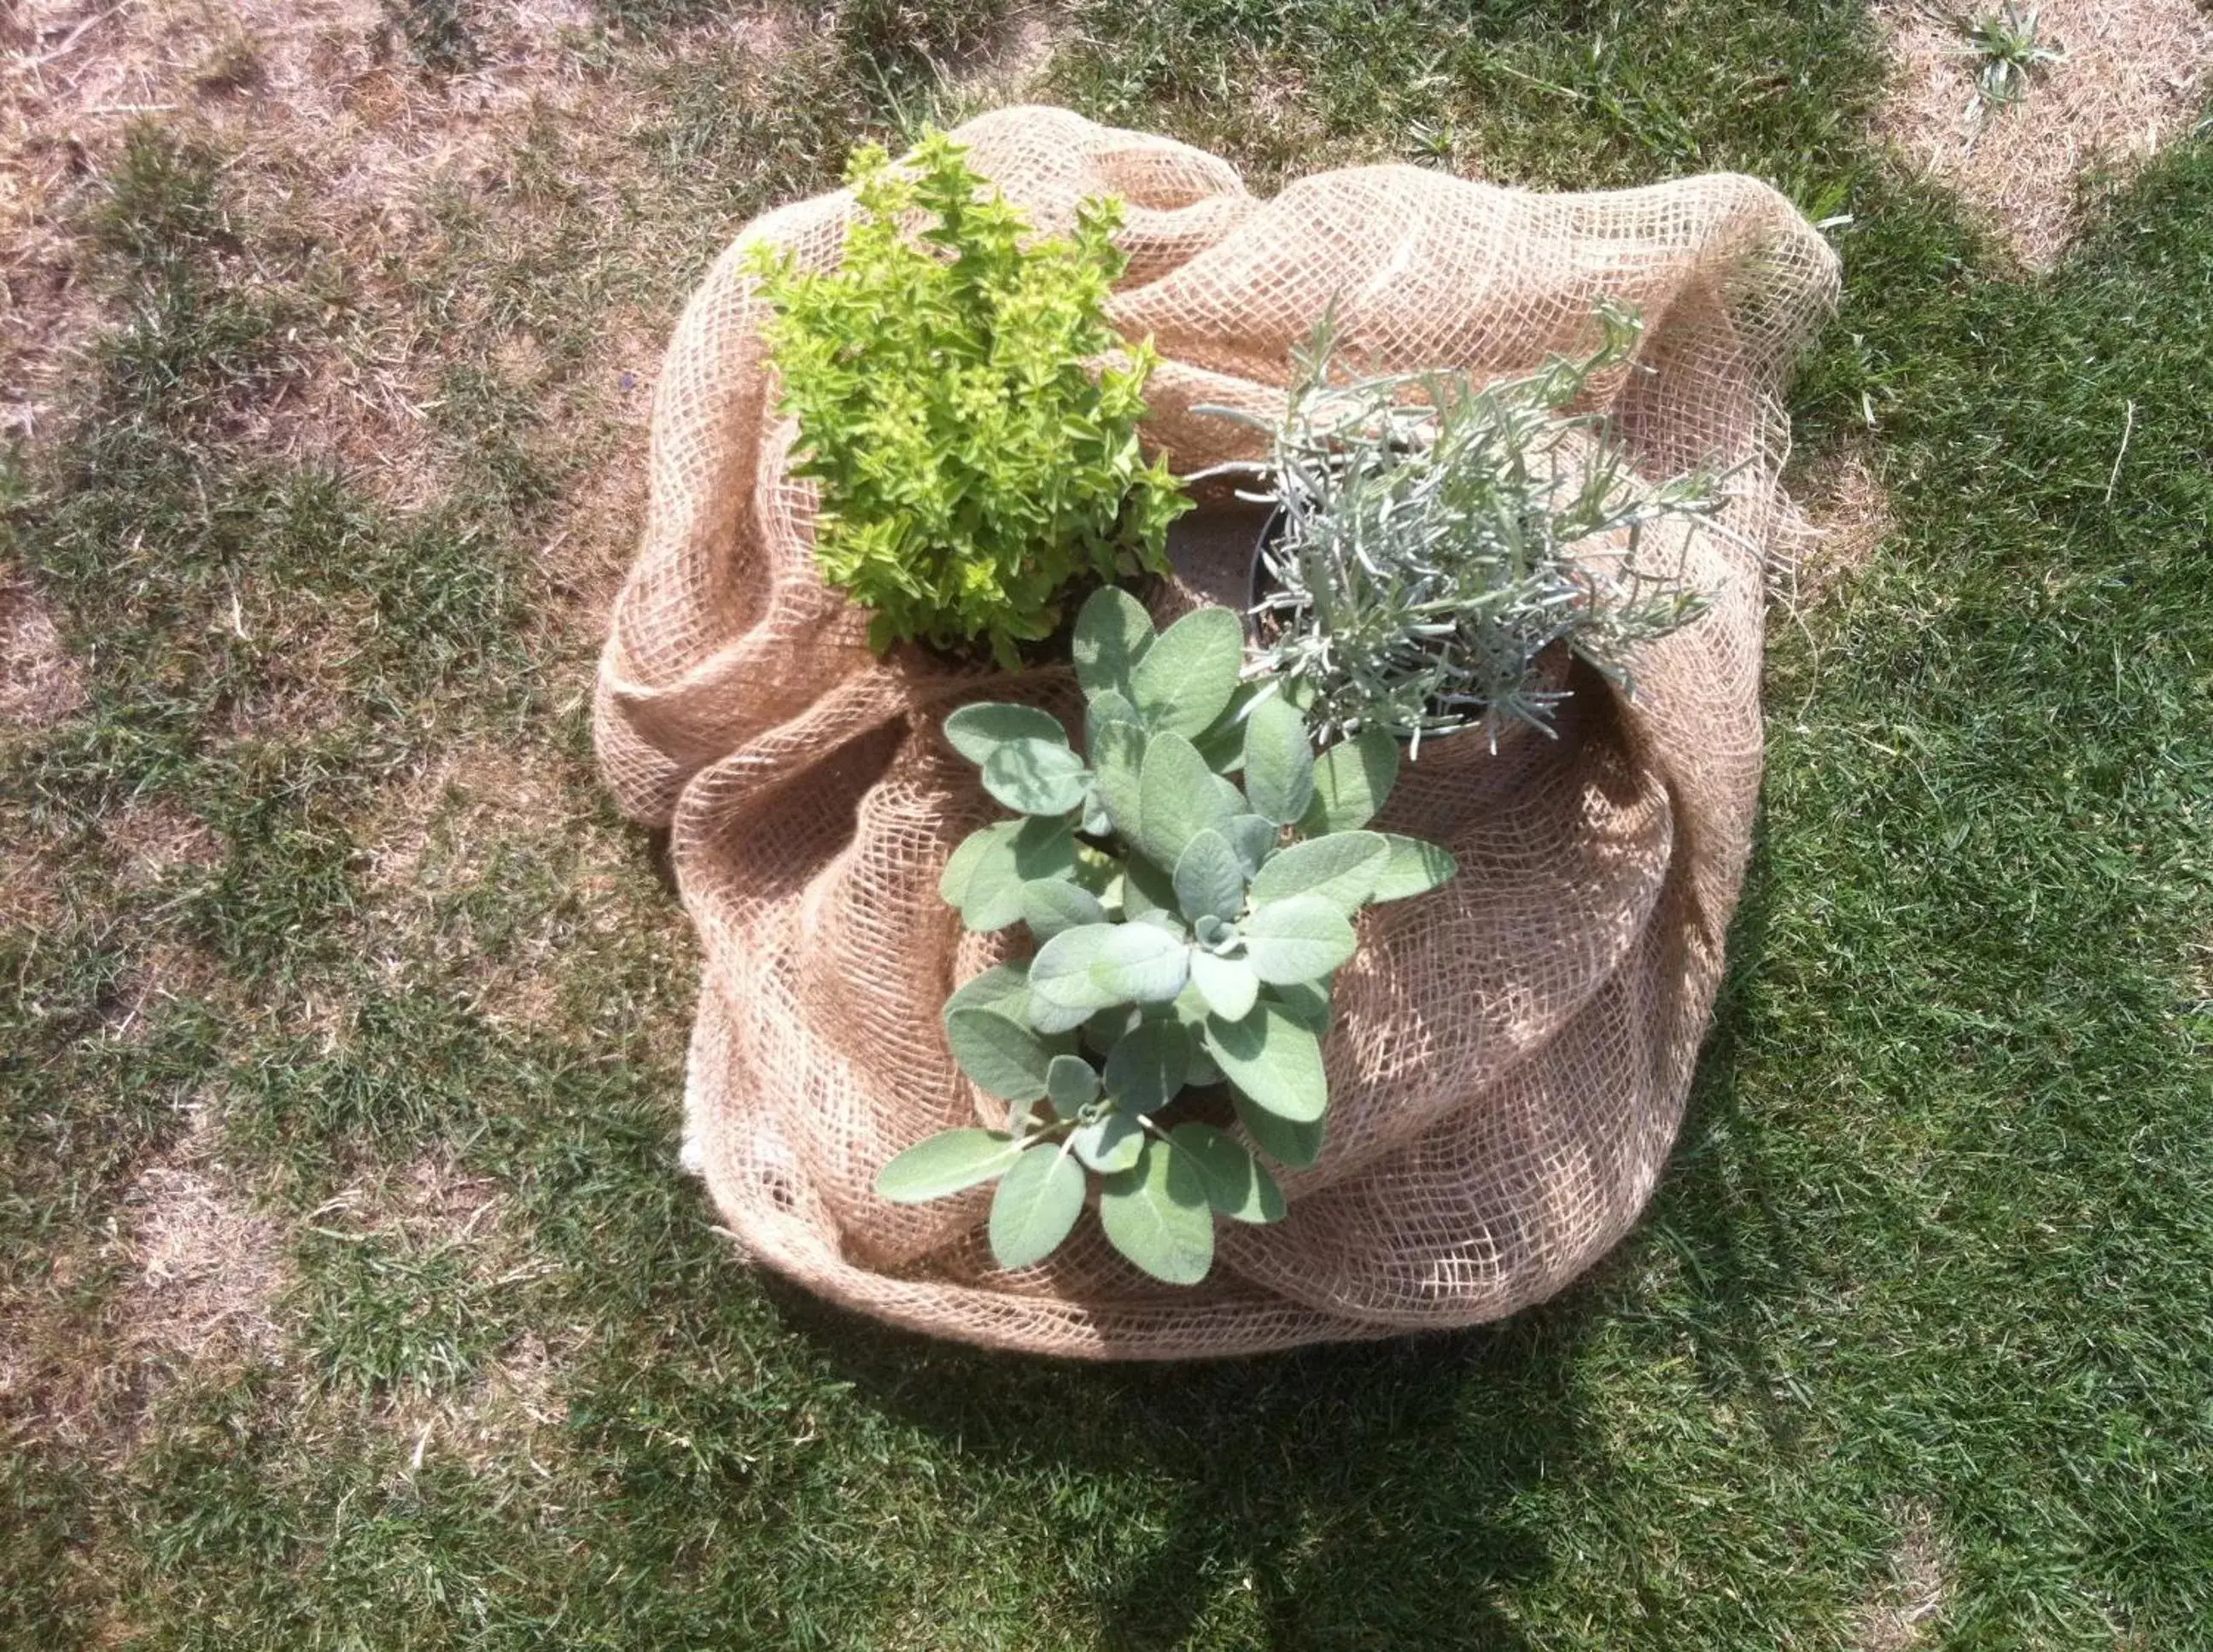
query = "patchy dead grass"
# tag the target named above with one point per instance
(330, 128)
(1012, 64)
(152, 838)
(187, 1275)
(1845, 516)
(39, 684)
(436, 1222)
(486, 865)
(1904, 1608)
(430, 833)
(208, 1267)
(164, 973)
(585, 559)
(2133, 77)
(36, 894)
(512, 1409)
(196, 1281)
(609, 405)
(30, 890)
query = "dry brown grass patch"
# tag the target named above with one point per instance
(1846, 517)
(30, 887)
(1012, 66)
(34, 890)
(153, 838)
(443, 842)
(209, 1267)
(1901, 1612)
(509, 1407)
(162, 973)
(432, 832)
(196, 1274)
(329, 129)
(39, 684)
(2133, 78)
(583, 561)
(511, 1410)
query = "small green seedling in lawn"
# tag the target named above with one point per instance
(1190, 929)
(2008, 51)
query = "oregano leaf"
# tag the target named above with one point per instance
(972, 462)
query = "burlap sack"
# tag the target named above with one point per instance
(1511, 1053)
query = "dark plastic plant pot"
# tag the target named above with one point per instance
(1257, 583)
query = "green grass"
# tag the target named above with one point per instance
(1933, 1252)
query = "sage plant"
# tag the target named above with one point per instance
(1189, 928)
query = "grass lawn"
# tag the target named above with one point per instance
(335, 987)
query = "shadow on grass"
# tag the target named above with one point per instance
(1390, 1494)
(1721, 1210)
(1344, 1490)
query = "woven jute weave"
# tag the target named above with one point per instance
(1511, 1053)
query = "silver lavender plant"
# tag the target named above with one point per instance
(1438, 537)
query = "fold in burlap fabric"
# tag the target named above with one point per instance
(1511, 1052)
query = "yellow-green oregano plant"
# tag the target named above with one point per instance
(1189, 930)
(969, 413)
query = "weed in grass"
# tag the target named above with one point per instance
(2070, 135)
(2009, 53)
